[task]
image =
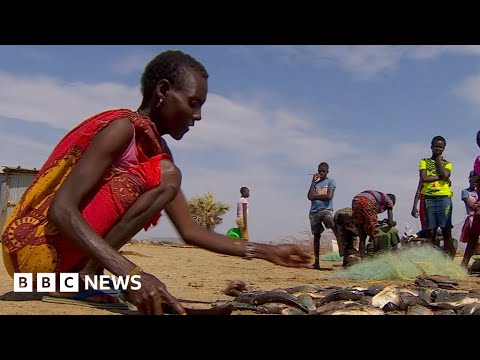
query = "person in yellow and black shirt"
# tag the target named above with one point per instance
(435, 175)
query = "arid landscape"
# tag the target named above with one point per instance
(197, 277)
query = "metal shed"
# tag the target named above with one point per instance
(14, 181)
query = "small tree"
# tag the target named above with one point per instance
(206, 211)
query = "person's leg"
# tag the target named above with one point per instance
(422, 214)
(432, 236)
(245, 233)
(448, 242)
(243, 229)
(340, 240)
(316, 250)
(316, 227)
(329, 223)
(141, 212)
(472, 240)
(361, 208)
(370, 225)
(445, 223)
(362, 236)
(467, 225)
(431, 220)
(345, 257)
(350, 249)
(382, 240)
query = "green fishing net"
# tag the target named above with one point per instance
(403, 264)
(331, 256)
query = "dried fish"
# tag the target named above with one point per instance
(278, 296)
(307, 288)
(455, 305)
(419, 310)
(388, 295)
(342, 294)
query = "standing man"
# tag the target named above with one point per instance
(321, 195)
(242, 212)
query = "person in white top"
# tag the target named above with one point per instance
(469, 197)
(242, 212)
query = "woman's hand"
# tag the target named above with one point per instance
(288, 255)
(153, 298)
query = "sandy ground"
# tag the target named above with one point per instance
(193, 274)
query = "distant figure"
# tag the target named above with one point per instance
(242, 212)
(475, 228)
(469, 197)
(365, 207)
(320, 194)
(435, 174)
(419, 199)
(348, 240)
(476, 164)
(347, 237)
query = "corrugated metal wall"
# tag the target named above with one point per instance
(12, 191)
(2, 195)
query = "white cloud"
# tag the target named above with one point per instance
(469, 90)
(135, 62)
(247, 127)
(62, 105)
(432, 51)
(367, 61)
(18, 150)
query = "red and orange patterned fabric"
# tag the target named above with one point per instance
(32, 244)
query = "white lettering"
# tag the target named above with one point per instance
(104, 282)
(120, 283)
(46, 282)
(135, 279)
(69, 282)
(22, 282)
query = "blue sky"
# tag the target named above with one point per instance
(273, 113)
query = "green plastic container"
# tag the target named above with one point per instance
(234, 233)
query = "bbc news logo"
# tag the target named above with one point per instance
(70, 282)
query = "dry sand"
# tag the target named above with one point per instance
(193, 274)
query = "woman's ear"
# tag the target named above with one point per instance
(162, 89)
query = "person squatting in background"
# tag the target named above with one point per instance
(365, 207)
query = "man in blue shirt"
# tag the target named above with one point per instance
(321, 195)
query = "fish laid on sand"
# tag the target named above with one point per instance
(429, 295)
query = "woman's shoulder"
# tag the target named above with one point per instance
(165, 147)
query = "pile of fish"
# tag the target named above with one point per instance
(429, 295)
